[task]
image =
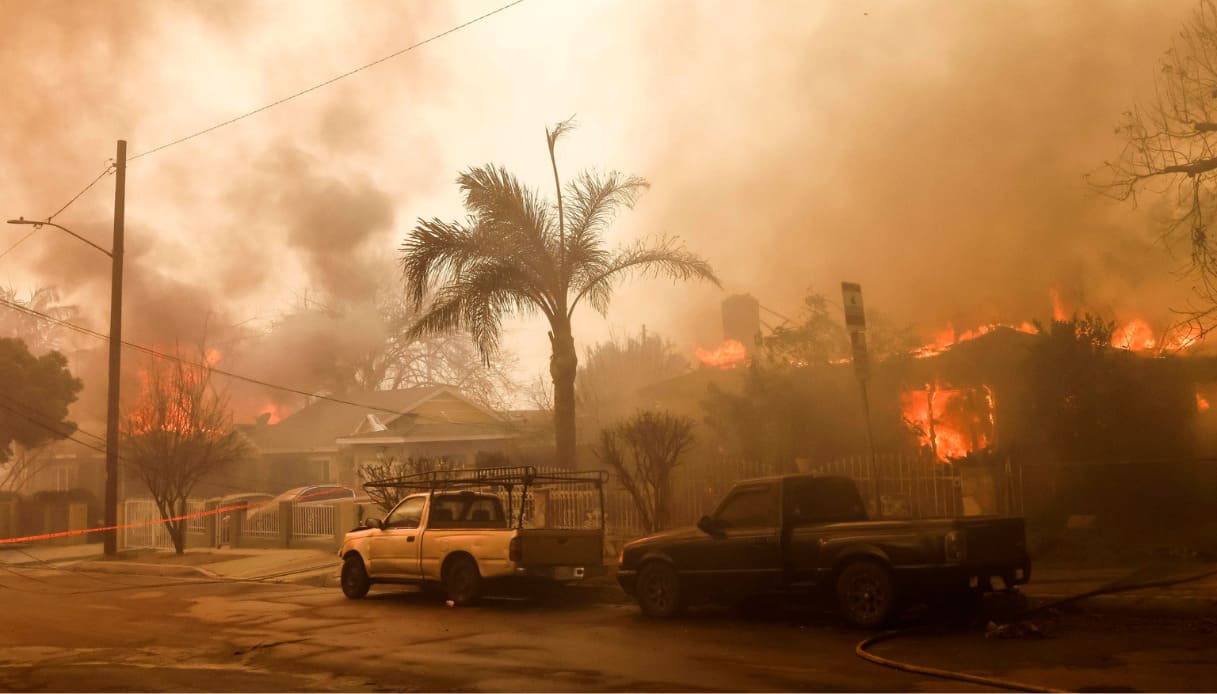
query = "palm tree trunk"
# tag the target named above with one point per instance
(563, 363)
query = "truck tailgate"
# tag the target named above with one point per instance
(994, 538)
(558, 547)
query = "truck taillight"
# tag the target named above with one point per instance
(513, 549)
(955, 546)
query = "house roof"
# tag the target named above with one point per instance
(318, 426)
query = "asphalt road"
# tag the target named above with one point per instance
(65, 631)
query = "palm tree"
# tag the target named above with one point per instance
(518, 253)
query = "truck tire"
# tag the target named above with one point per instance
(658, 590)
(462, 581)
(866, 594)
(355, 581)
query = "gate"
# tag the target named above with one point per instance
(907, 487)
(142, 527)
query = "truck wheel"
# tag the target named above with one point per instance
(355, 582)
(462, 581)
(658, 590)
(866, 594)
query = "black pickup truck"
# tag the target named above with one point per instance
(808, 534)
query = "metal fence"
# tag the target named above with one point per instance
(262, 523)
(313, 520)
(907, 487)
(145, 528)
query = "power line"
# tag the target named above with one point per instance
(15, 403)
(20, 241)
(198, 365)
(326, 83)
(109, 167)
(51, 429)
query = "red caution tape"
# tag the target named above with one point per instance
(201, 514)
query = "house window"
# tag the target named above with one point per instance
(63, 478)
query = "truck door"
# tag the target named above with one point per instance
(395, 549)
(747, 552)
(810, 505)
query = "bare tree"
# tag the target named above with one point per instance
(364, 345)
(180, 430)
(644, 450)
(1170, 149)
(24, 466)
(391, 467)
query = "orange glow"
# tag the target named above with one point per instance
(212, 357)
(728, 355)
(961, 422)
(166, 403)
(276, 411)
(1135, 336)
(1202, 403)
(1058, 309)
(946, 338)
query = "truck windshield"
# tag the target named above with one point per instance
(466, 511)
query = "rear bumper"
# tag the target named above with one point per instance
(975, 575)
(558, 573)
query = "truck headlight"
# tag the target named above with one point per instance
(955, 546)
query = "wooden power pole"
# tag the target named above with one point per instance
(110, 546)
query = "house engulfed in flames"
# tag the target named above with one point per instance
(965, 391)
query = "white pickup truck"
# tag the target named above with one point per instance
(461, 539)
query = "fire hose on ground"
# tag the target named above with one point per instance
(1111, 588)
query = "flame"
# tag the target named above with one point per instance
(1058, 308)
(961, 420)
(1135, 336)
(164, 404)
(948, 337)
(276, 411)
(728, 355)
(1202, 403)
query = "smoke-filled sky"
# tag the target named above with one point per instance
(933, 151)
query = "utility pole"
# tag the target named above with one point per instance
(855, 324)
(110, 546)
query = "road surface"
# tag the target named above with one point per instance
(75, 631)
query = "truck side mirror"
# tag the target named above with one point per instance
(708, 526)
(372, 523)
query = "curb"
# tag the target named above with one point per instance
(146, 569)
(1147, 605)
